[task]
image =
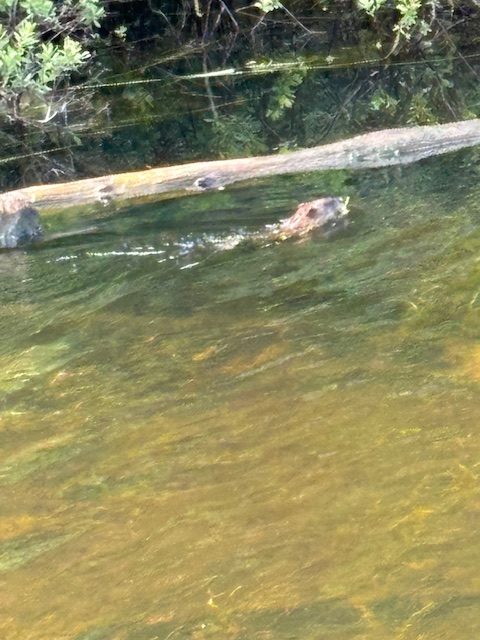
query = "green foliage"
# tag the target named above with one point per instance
(90, 12)
(371, 6)
(270, 104)
(40, 44)
(420, 110)
(409, 15)
(381, 100)
(268, 5)
(42, 9)
(418, 95)
(283, 91)
(237, 135)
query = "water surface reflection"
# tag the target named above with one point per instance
(272, 443)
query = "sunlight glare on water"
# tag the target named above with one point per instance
(268, 442)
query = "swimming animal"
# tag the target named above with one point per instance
(316, 214)
(383, 148)
(323, 215)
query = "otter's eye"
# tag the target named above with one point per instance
(311, 213)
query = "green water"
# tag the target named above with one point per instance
(275, 442)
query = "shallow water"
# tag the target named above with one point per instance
(272, 442)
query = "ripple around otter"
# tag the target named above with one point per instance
(275, 442)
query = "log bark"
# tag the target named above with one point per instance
(376, 149)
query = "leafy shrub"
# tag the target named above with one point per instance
(410, 14)
(237, 135)
(283, 92)
(268, 5)
(41, 43)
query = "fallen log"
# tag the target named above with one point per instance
(371, 150)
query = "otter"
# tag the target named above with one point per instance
(23, 226)
(321, 213)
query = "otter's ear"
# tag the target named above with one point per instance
(312, 212)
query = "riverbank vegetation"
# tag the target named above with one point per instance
(87, 87)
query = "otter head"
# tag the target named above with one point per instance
(313, 215)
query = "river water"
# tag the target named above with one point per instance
(270, 442)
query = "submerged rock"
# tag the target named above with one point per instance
(19, 223)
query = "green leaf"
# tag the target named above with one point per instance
(268, 5)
